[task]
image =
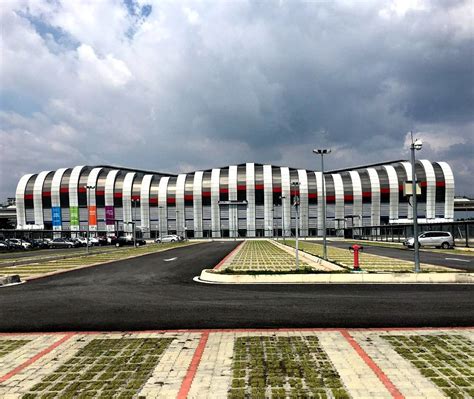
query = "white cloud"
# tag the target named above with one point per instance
(109, 69)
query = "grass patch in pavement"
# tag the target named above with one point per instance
(262, 256)
(368, 262)
(104, 368)
(9, 345)
(283, 367)
(446, 360)
(38, 268)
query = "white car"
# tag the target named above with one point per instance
(93, 241)
(437, 239)
(16, 241)
(168, 238)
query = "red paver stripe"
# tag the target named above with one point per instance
(188, 380)
(38, 356)
(376, 369)
(228, 255)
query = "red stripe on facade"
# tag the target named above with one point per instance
(136, 197)
(153, 200)
(206, 193)
(440, 184)
(330, 198)
(99, 193)
(224, 190)
(384, 191)
(117, 195)
(400, 187)
(82, 189)
(367, 194)
(277, 189)
(188, 197)
(348, 197)
(171, 200)
(259, 187)
(241, 187)
(64, 190)
(28, 196)
(312, 195)
(46, 193)
(423, 184)
(294, 193)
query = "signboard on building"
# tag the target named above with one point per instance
(109, 215)
(56, 217)
(74, 217)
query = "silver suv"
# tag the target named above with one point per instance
(438, 239)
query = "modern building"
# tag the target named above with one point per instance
(246, 200)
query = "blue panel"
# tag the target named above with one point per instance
(56, 215)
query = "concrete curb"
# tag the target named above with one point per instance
(207, 276)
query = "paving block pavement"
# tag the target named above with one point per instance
(329, 363)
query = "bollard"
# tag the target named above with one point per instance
(356, 249)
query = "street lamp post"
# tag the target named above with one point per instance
(88, 188)
(322, 152)
(415, 145)
(282, 197)
(296, 203)
(134, 231)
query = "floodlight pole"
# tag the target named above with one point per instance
(415, 145)
(323, 200)
(282, 197)
(296, 184)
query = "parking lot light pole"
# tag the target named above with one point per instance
(282, 197)
(322, 152)
(296, 203)
(88, 188)
(415, 145)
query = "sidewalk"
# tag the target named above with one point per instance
(333, 363)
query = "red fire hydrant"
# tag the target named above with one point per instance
(356, 249)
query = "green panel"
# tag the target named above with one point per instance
(74, 215)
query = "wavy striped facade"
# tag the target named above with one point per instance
(161, 203)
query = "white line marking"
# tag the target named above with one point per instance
(459, 260)
(170, 259)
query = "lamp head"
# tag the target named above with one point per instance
(322, 151)
(417, 144)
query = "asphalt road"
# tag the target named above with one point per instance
(465, 262)
(158, 292)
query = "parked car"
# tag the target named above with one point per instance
(4, 246)
(77, 243)
(61, 243)
(438, 239)
(126, 240)
(93, 241)
(40, 244)
(82, 241)
(20, 244)
(168, 238)
(102, 240)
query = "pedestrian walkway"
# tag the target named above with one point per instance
(283, 363)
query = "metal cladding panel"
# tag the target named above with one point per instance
(20, 201)
(215, 212)
(197, 204)
(286, 200)
(430, 189)
(304, 211)
(393, 184)
(449, 187)
(233, 197)
(145, 203)
(38, 198)
(180, 216)
(74, 185)
(162, 205)
(268, 200)
(92, 181)
(408, 170)
(109, 187)
(339, 201)
(375, 193)
(127, 201)
(319, 186)
(250, 186)
(357, 198)
(56, 187)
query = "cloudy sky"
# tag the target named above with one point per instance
(178, 86)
